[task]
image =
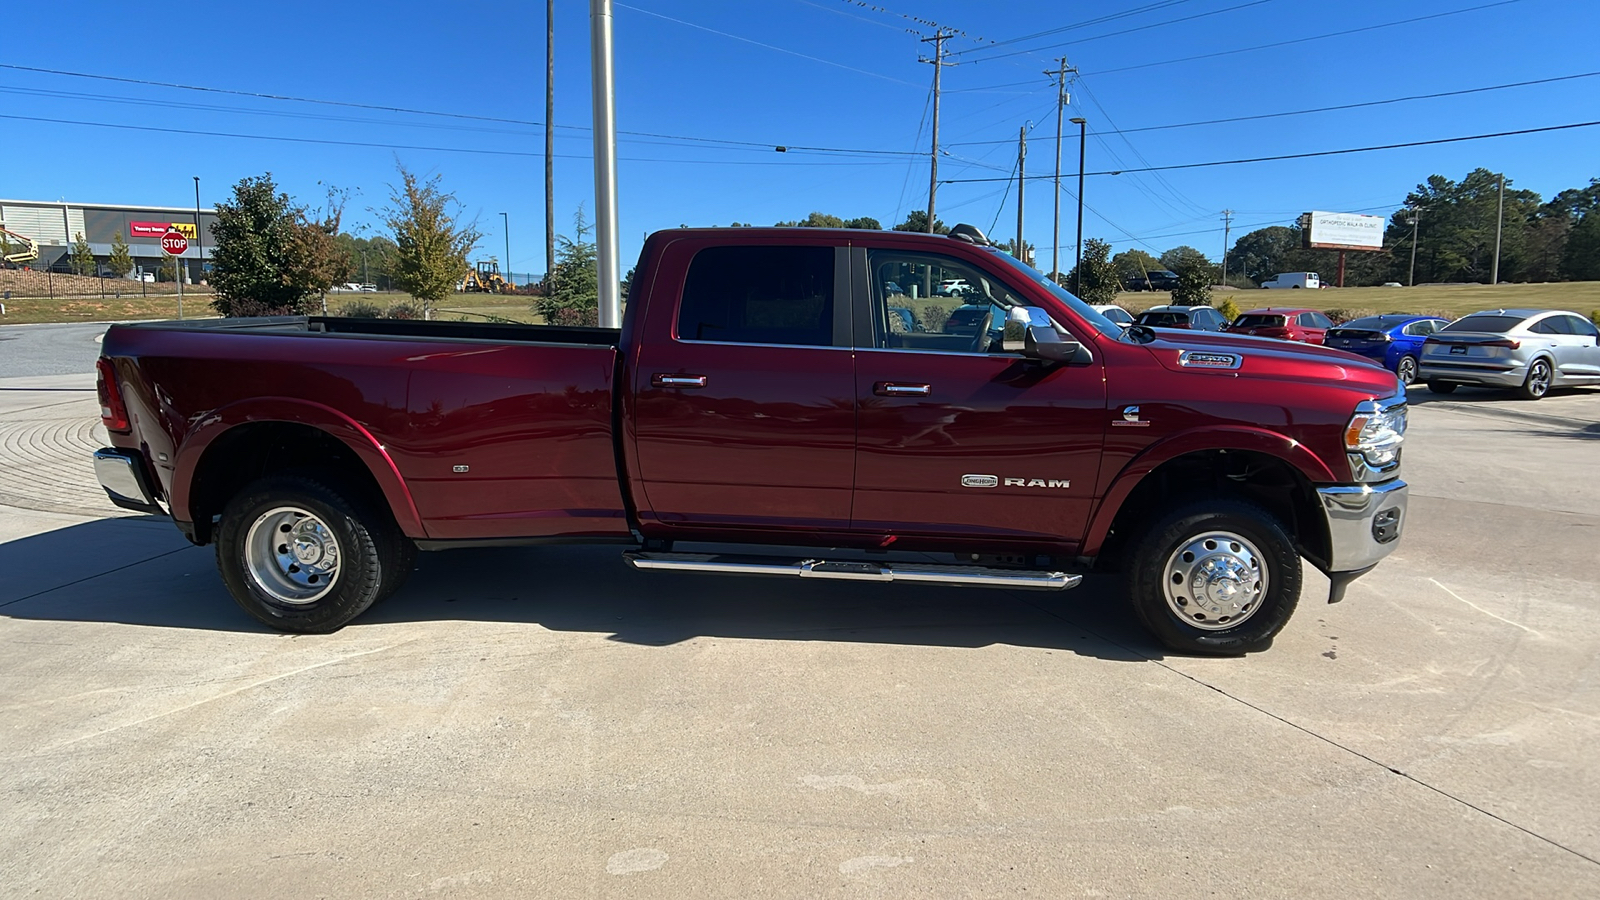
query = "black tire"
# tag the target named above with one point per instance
(1442, 387)
(1406, 370)
(368, 554)
(405, 562)
(1537, 384)
(1278, 563)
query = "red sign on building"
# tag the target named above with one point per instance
(157, 229)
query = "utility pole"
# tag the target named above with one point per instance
(1061, 103)
(505, 220)
(1227, 223)
(1083, 139)
(1022, 179)
(549, 139)
(1416, 216)
(607, 253)
(938, 62)
(1499, 223)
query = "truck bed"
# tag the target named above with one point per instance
(473, 431)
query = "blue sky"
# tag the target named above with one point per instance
(833, 74)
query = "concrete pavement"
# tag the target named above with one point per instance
(547, 722)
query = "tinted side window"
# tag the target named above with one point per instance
(1583, 326)
(1318, 320)
(1551, 325)
(759, 295)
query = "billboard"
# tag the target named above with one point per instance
(157, 229)
(1341, 231)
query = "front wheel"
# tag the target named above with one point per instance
(1406, 370)
(1215, 577)
(1537, 383)
(300, 556)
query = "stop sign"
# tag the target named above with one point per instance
(174, 242)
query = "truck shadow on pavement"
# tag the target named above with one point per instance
(145, 574)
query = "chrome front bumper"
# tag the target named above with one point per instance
(121, 474)
(1364, 525)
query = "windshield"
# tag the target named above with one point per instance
(1490, 324)
(1258, 321)
(1100, 323)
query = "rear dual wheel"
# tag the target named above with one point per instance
(1215, 576)
(299, 555)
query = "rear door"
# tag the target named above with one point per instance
(1314, 327)
(744, 391)
(957, 438)
(1579, 356)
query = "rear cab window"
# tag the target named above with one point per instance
(1259, 320)
(1489, 324)
(1163, 319)
(760, 294)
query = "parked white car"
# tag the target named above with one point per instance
(1307, 280)
(1115, 313)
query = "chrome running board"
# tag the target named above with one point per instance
(918, 573)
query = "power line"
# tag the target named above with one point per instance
(1257, 159)
(1099, 20)
(1075, 42)
(826, 62)
(1318, 37)
(385, 146)
(1320, 109)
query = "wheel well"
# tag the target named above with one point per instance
(248, 452)
(1260, 478)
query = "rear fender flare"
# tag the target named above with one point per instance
(348, 431)
(1257, 440)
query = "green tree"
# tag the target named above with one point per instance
(1580, 260)
(815, 220)
(866, 222)
(1134, 264)
(120, 262)
(1195, 275)
(168, 270)
(323, 262)
(1171, 258)
(1027, 247)
(917, 220)
(1096, 278)
(1263, 253)
(431, 247)
(572, 289)
(1456, 237)
(258, 260)
(82, 257)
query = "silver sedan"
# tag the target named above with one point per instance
(1531, 350)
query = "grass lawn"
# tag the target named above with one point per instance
(456, 307)
(1449, 300)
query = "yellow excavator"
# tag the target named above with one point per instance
(486, 279)
(28, 253)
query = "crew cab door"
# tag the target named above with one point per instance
(955, 437)
(743, 390)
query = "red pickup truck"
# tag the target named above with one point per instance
(771, 388)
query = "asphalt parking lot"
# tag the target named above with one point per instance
(548, 722)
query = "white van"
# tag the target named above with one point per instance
(1307, 280)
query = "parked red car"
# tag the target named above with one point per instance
(1304, 325)
(759, 394)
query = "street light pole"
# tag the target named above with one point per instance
(1083, 138)
(506, 221)
(199, 236)
(604, 95)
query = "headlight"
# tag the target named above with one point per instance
(1372, 439)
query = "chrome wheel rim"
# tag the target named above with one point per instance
(1215, 581)
(1539, 378)
(1408, 370)
(292, 556)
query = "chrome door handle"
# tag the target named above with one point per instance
(901, 389)
(680, 381)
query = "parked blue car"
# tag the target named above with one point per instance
(1395, 341)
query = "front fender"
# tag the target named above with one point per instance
(206, 429)
(1255, 440)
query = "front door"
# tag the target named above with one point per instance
(955, 437)
(744, 418)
